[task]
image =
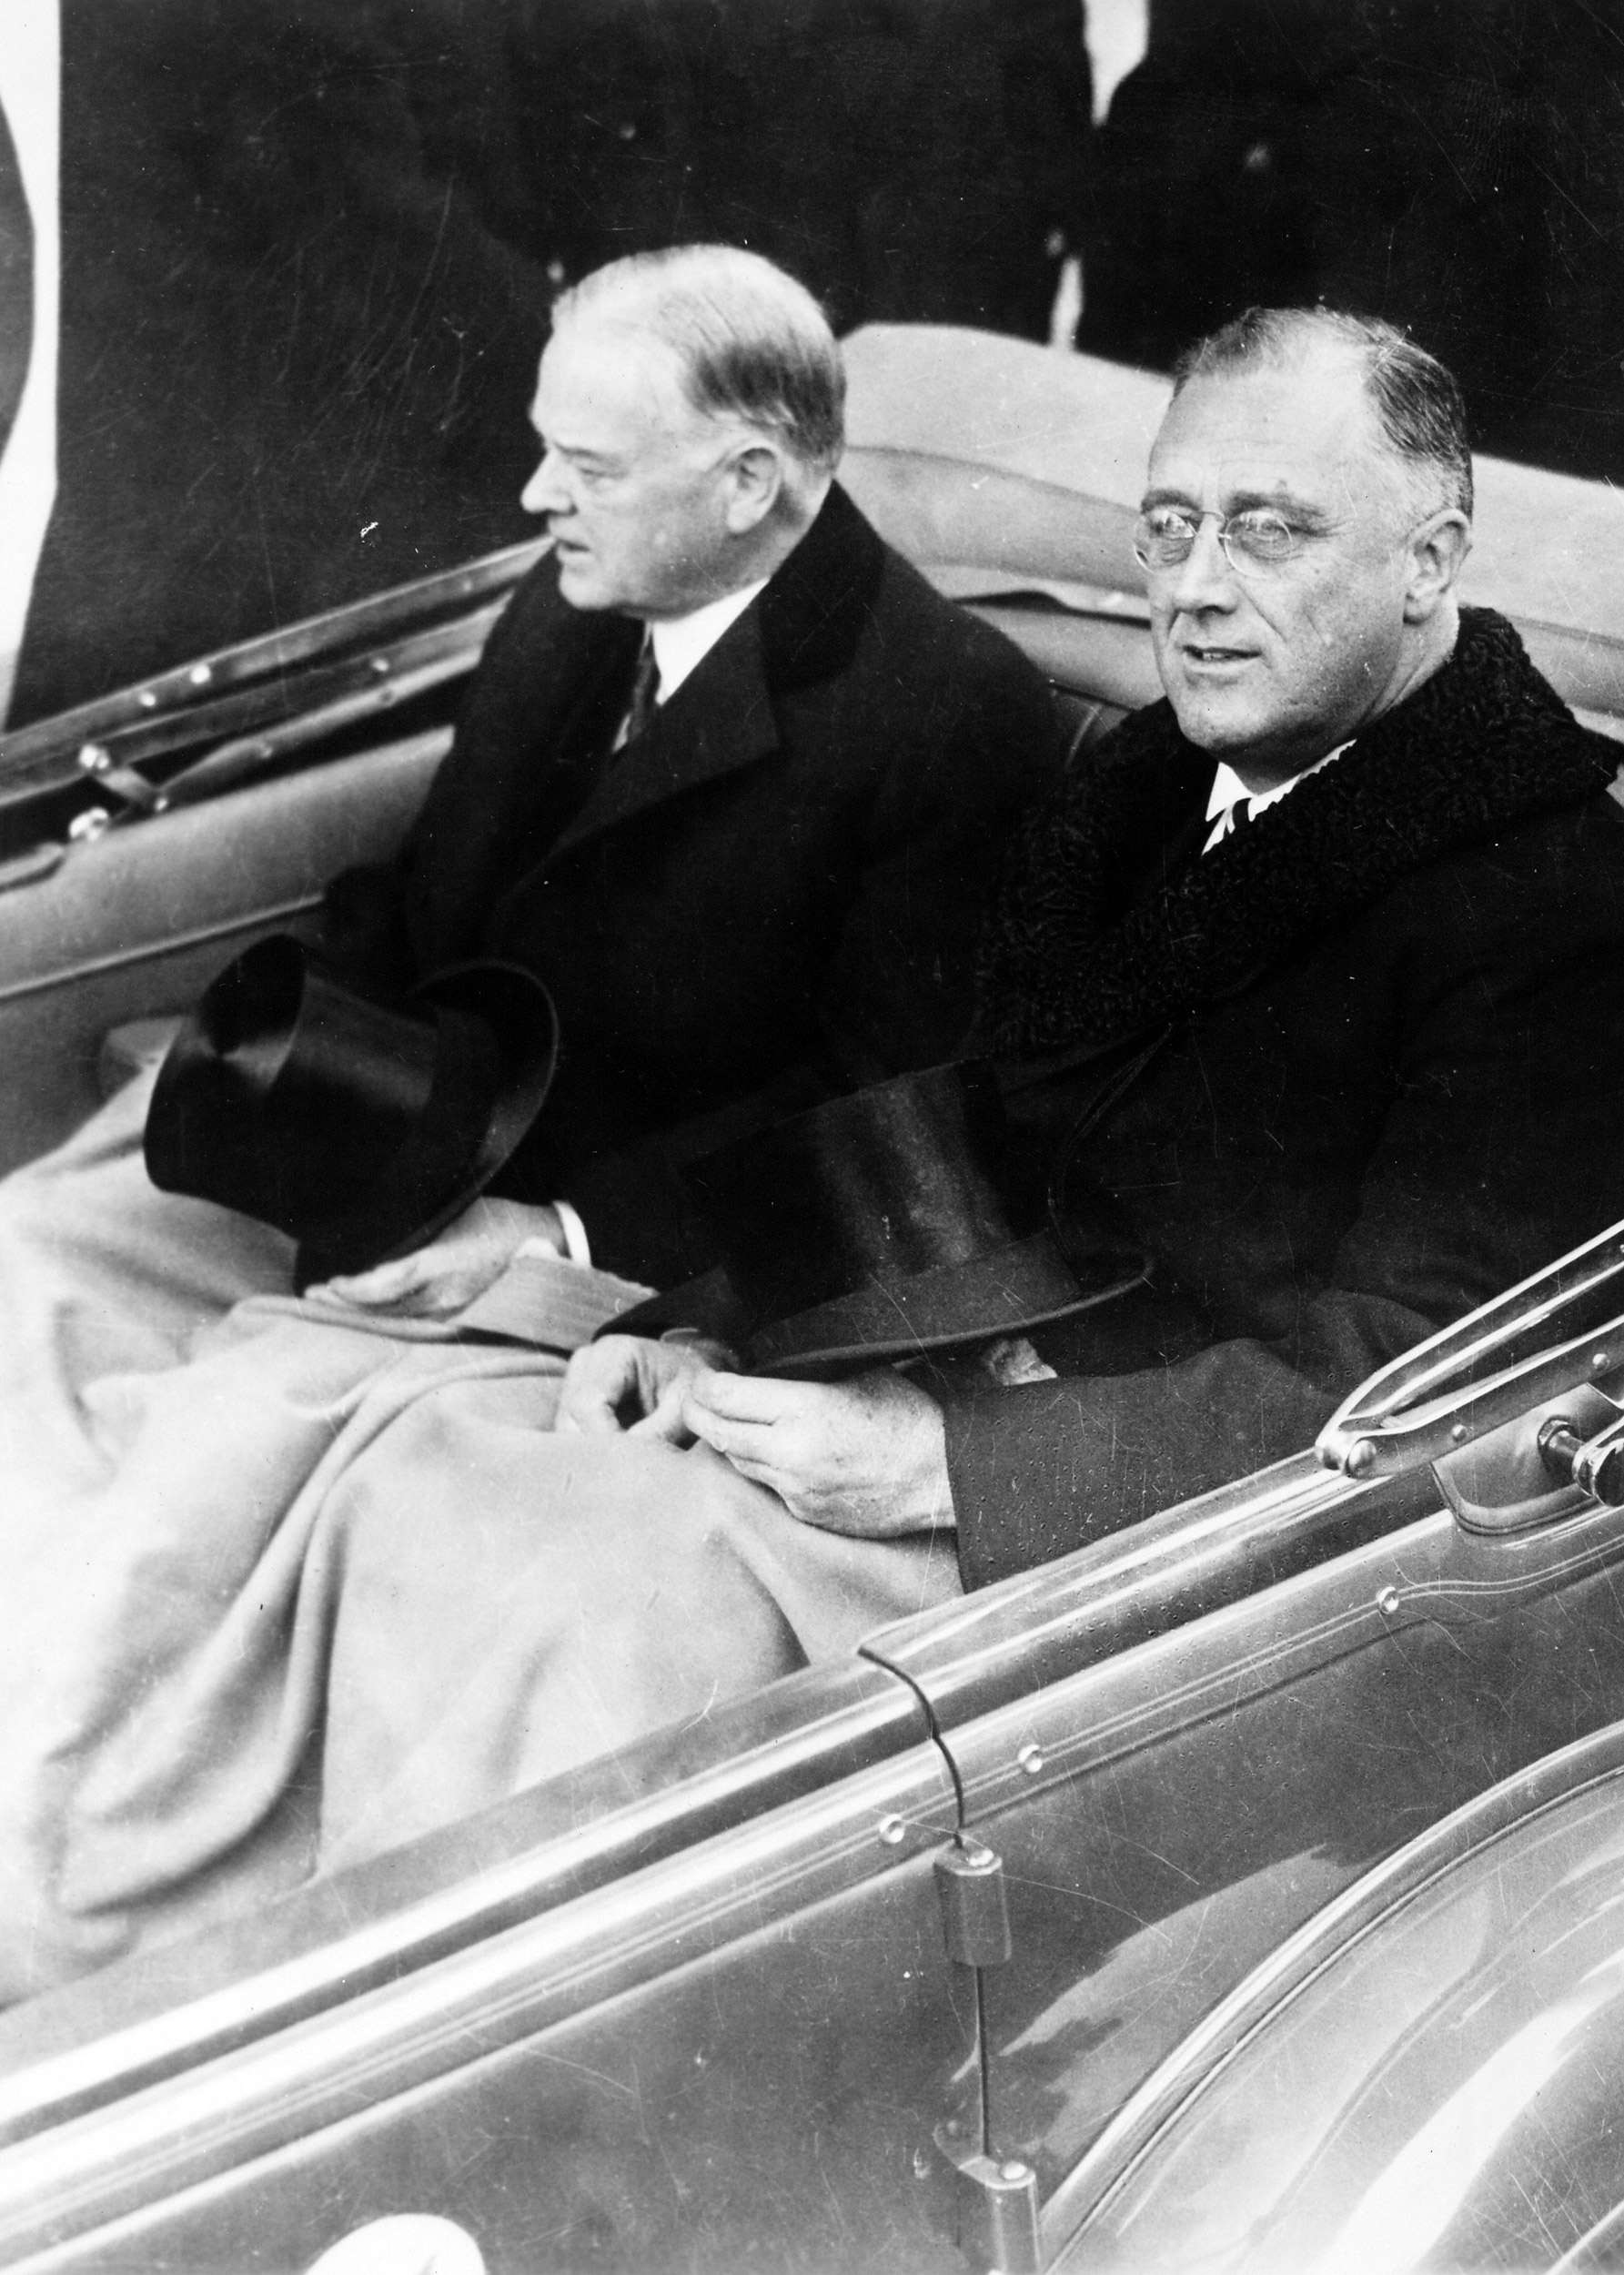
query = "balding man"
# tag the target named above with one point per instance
(767, 886)
(1351, 900)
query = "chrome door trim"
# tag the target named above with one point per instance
(30, 751)
(1035, 1629)
(1173, 1677)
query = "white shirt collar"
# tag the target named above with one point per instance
(681, 643)
(1228, 791)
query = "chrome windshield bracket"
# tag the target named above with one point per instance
(139, 795)
(1596, 1465)
(1555, 1332)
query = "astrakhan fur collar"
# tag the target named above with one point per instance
(1085, 944)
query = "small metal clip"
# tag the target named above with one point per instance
(997, 2208)
(974, 1907)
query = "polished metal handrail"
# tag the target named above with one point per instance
(1559, 1328)
(178, 705)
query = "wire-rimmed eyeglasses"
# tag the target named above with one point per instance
(1255, 539)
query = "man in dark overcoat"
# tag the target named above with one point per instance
(731, 781)
(773, 888)
(1345, 915)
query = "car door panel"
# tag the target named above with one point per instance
(703, 2039)
(1166, 1817)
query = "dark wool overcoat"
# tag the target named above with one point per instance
(774, 892)
(1391, 1083)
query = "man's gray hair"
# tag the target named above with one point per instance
(1418, 404)
(751, 343)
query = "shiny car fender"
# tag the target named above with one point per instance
(1425, 2077)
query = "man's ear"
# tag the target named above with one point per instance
(1438, 552)
(755, 481)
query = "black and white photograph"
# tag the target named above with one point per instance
(811, 1169)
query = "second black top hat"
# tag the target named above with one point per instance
(872, 1227)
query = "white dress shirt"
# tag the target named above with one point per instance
(1228, 791)
(681, 643)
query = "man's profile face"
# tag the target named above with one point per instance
(1279, 665)
(630, 480)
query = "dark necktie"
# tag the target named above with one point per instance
(1229, 821)
(641, 707)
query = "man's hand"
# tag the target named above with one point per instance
(867, 1457)
(469, 1256)
(625, 1382)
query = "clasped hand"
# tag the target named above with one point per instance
(867, 1457)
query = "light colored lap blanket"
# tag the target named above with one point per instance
(280, 1586)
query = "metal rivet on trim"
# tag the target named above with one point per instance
(1361, 1459)
(1031, 1758)
(1388, 1602)
(1012, 2169)
(1459, 1434)
(1599, 1362)
(891, 1831)
(200, 675)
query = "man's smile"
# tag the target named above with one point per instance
(1210, 655)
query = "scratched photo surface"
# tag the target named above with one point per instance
(931, 1954)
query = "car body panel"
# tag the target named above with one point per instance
(1169, 1812)
(1425, 2078)
(251, 2124)
(663, 2128)
(123, 2027)
(134, 924)
(1193, 1798)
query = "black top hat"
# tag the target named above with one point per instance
(360, 1129)
(872, 1227)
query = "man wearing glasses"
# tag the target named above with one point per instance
(1351, 899)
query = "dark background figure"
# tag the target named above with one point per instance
(308, 249)
(308, 253)
(1454, 165)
